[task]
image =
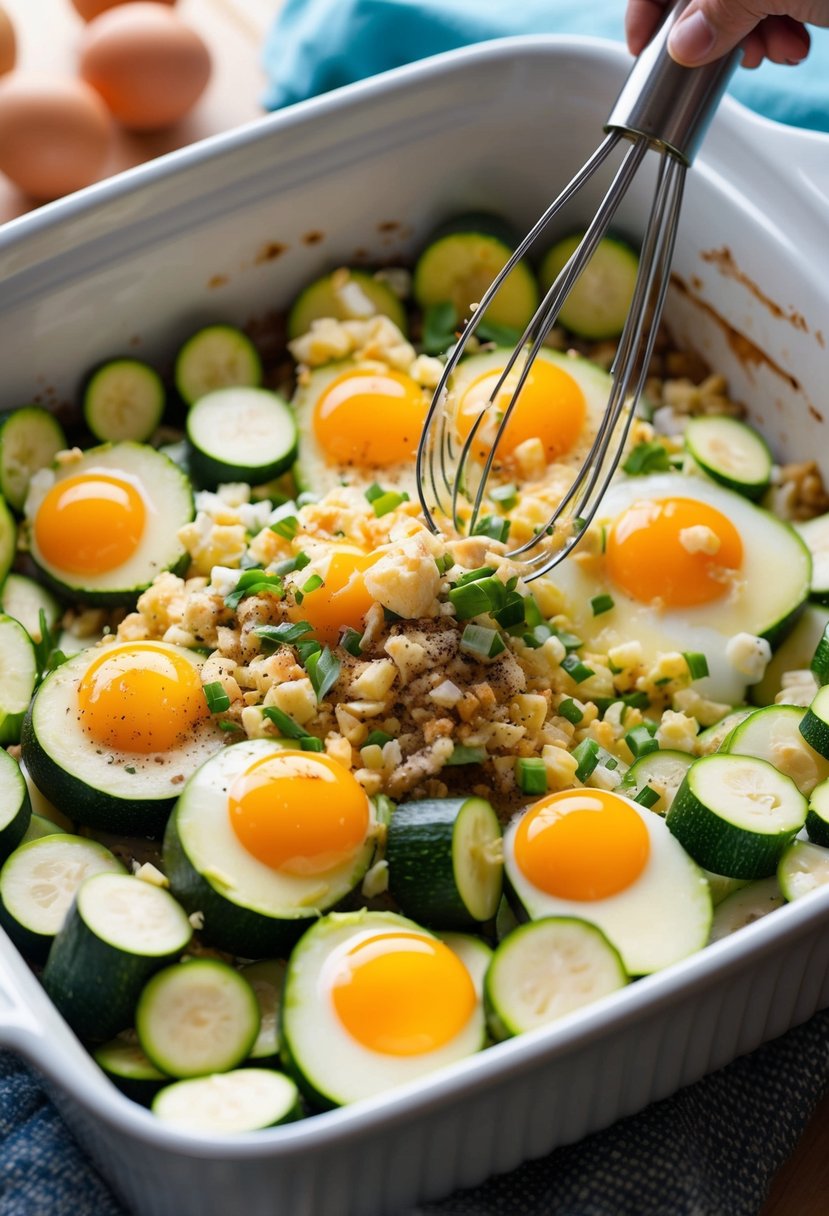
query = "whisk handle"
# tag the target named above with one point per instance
(669, 105)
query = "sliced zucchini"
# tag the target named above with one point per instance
(803, 868)
(15, 805)
(123, 399)
(8, 539)
(546, 969)
(736, 814)
(817, 817)
(372, 1001)
(218, 356)
(30, 438)
(127, 1066)
(445, 861)
(819, 662)
(458, 268)
(597, 306)
(197, 1018)
(721, 886)
(18, 677)
(814, 725)
(251, 908)
(103, 526)
(120, 769)
(118, 932)
(38, 883)
(267, 979)
(746, 906)
(730, 452)
(345, 295)
(773, 733)
(815, 534)
(473, 952)
(244, 1100)
(712, 738)
(795, 653)
(24, 599)
(661, 772)
(39, 826)
(240, 434)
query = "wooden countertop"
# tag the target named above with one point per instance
(234, 29)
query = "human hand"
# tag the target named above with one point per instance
(710, 29)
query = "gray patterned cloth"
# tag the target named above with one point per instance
(711, 1150)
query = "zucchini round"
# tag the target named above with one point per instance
(123, 399)
(30, 438)
(773, 733)
(240, 434)
(814, 725)
(345, 295)
(817, 817)
(730, 452)
(244, 1100)
(218, 356)
(803, 868)
(15, 805)
(24, 599)
(458, 268)
(126, 1065)
(597, 306)
(18, 677)
(745, 906)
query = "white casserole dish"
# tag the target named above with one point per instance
(229, 230)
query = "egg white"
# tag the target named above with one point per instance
(337, 1067)
(663, 916)
(773, 580)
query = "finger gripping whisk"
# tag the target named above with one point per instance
(663, 110)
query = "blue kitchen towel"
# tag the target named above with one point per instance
(318, 45)
(711, 1150)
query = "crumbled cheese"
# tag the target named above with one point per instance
(446, 694)
(531, 458)
(151, 874)
(604, 778)
(295, 698)
(749, 655)
(376, 880)
(223, 579)
(626, 656)
(528, 709)
(405, 581)
(699, 538)
(677, 731)
(561, 767)
(374, 682)
(197, 920)
(372, 756)
(691, 703)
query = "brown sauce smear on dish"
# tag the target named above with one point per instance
(269, 252)
(723, 259)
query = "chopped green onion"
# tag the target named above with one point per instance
(284, 723)
(587, 757)
(532, 613)
(254, 581)
(229, 725)
(697, 664)
(577, 670)
(641, 741)
(472, 576)
(637, 700)
(482, 643)
(374, 491)
(569, 709)
(505, 496)
(377, 738)
(445, 562)
(440, 323)
(512, 612)
(531, 774)
(283, 634)
(310, 743)
(323, 669)
(217, 699)
(466, 755)
(579, 524)
(291, 564)
(312, 584)
(493, 526)
(570, 641)
(601, 603)
(469, 600)
(306, 649)
(650, 457)
(388, 502)
(287, 528)
(390, 617)
(352, 641)
(647, 797)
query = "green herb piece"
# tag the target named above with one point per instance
(466, 755)
(641, 741)
(312, 584)
(254, 581)
(323, 669)
(283, 634)
(647, 797)
(306, 649)
(650, 457)
(501, 335)
(48, 657)
(472, 576)
(284, 723)
(129, 769)
(377, 738)
(388, 502)
(532, 613)
(493, 526)
(286, 527)
(373, 492)
(586, 756)
(569, 709)
(601, 603)
(577, 670)
(531, 775)
(570, 641)
(637, 700)
(697, 664)
(505, 496)
(352, 641)
(440, 326)
(217, 699)
(444, 563)
(229, 725)
(482, 643)
(512, 612)
(310, 743)
(469, 600)
(291, 564)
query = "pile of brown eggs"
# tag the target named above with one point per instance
(139, 65)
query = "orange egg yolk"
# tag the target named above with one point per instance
(140, 697)
(90, 524)
(550, 407)
(677, 550)
(402, 994)
(370, 419)
(582, 844)
(341, 600)
(299, 812)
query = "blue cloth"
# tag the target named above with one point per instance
(318, 45)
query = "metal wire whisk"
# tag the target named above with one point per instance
(663, 108)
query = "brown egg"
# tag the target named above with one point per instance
(54, 134)
(8, 43)
(148, 66)
(89, 9)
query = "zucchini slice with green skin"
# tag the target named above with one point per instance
(730, 452)
(445, 861)
(105, 785)
(815, 535)
(713, 737)
(24, 599)
(546, 969)
(819, 662)
(38, 883)
(18, 678)
(126, 1065)
(267, 979)
(345, 295)
(240, 434)
(244, 1100)
(745, 906)
(118, 932)
(8, 539)
(817, 817)
(773, 733)
(804, 867)
(814, 725)
(218, 356)
(15, 805)
(721, 886)
(662, 772)
(250, 909)
(39, 826)
(795, 653)
(30, 438)
(197, 1018)
(735, 815)
(138, 500)
(597, 306)
(458, 268)
(473, 952)
(371, 1001)
(123, 399)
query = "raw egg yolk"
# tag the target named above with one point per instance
(677, 550)
(582, 844)
(141, 697)
(90, 523)
(403, 994)
(550, 407)
(341, 600)
(369, 418)
(299, 812)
